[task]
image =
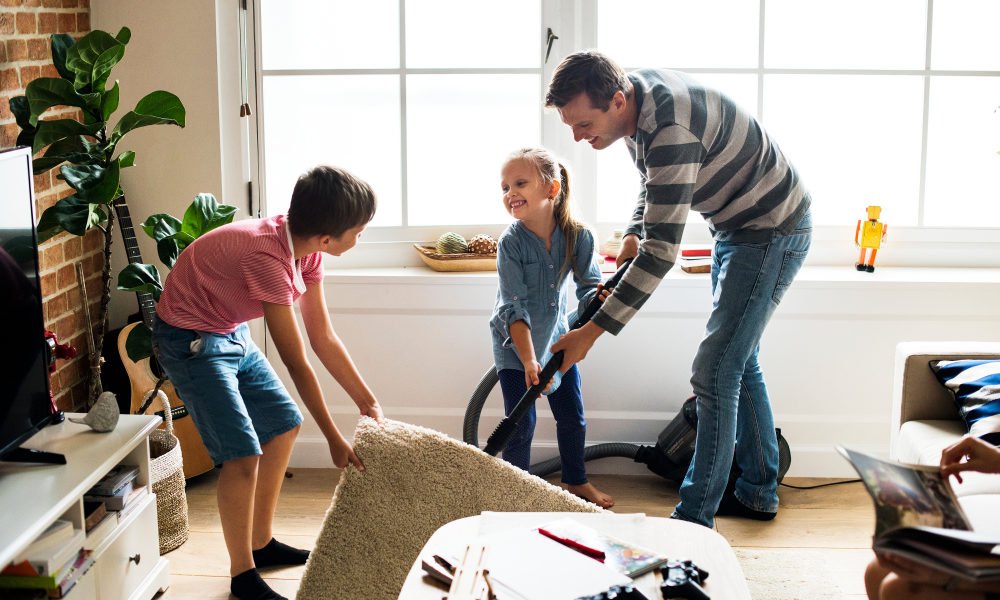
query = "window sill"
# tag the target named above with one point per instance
(818, 275)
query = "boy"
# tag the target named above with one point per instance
(239, 272)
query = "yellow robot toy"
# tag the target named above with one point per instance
(869, 235)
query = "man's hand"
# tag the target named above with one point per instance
(629, 249)
(970, 454)
(343, 454)
(576, 343)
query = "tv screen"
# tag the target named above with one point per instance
(24, 378)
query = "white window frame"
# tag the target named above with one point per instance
(575, 24)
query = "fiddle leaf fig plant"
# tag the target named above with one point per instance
(86, 150)
(172, 236)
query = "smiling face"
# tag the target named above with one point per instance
(599, 128)
(526, 196)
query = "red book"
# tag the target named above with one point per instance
(696, 252)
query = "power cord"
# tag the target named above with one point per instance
(813, 487)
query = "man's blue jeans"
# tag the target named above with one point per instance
(748, 282)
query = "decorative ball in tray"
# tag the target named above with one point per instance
(453, 253)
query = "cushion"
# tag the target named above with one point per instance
(415, 481)
(975, 384)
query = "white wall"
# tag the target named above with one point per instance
(188, 48)
(421, 341)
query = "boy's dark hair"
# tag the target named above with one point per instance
(329, 201)
(590, 72)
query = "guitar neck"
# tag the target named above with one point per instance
(147, 305)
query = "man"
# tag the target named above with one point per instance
(696, 150)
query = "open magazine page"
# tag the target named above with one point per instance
(907, 495)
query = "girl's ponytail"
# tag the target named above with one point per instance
(569, 226)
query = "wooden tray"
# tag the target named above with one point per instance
(466, 261)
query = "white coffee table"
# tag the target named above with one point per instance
(676, 539)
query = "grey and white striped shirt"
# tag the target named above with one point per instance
(697, 150)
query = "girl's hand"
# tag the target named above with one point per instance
(602, 294)
(531, 371)
(343, 454)
(970, 454)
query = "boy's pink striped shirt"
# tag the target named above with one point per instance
(222, 279)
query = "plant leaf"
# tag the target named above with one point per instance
(96, 184)
(205, 214)
(126, 159)
(75, 149)
(139, 343)
(109, 103)
(92, 58)
(53, 131)
(46, 92)
(156, 108)
(161, 225)
(61, 43)
(124, 35)
(167, 249)
(72, 214)
(22, 115)
(140, 277)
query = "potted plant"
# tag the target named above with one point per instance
(88, 147)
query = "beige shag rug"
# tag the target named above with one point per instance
(415, 481)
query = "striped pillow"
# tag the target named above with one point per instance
(976, 386)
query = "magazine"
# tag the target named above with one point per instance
(918, 517)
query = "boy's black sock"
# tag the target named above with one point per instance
(276, 553)
(249, 585)
(732, 507)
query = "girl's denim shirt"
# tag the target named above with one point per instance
(531, 290)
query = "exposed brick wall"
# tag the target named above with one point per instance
(25, 28)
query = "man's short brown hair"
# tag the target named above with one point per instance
(589, 72)
(329, 201)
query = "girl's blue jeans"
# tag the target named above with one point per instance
(571, 427)
(748, 282)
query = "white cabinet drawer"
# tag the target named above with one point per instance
(131, 557)
(86, 587)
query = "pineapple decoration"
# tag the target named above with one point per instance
(451, 243)
(482, 244)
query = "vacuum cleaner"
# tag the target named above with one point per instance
(669, 458)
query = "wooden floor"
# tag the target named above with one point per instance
(820, 540)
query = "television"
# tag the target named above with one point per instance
(25, 402)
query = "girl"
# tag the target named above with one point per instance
(535, 255)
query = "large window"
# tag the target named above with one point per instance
(888, 102)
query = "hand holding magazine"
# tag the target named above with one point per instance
(918, 517)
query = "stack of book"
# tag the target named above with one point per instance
(51, 565)
(118, 490)
(695, 260)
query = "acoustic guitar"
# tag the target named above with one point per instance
(144, 374)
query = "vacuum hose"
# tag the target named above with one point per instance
(669, 458)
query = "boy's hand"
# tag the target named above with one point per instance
(374, 411)
(343, 454)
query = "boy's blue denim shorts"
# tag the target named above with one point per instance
(234, 396)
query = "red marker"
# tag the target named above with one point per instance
(596, 553)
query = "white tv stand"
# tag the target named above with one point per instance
(128, 564)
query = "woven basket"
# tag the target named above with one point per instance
(466, 261)
(166, 471)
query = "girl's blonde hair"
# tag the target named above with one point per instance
(550, 169)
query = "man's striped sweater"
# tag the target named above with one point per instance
(695, 149)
